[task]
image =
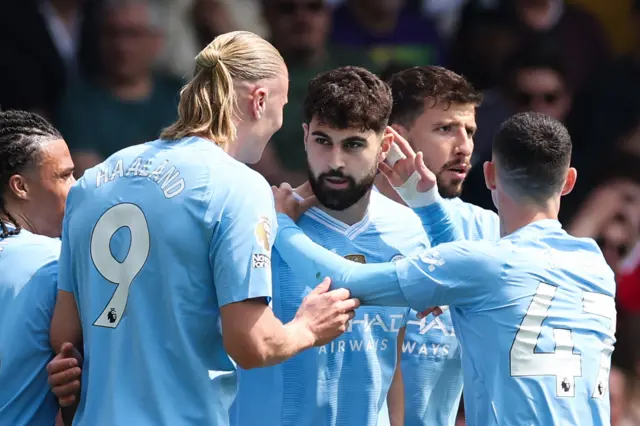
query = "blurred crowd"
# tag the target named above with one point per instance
(108, 74)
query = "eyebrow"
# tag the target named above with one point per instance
(348, 139)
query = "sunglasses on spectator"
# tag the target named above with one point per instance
(549, 98)
(291, 7)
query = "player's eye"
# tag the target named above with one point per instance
(471, 131)
(353, 145)
(445, 129)
(322, 141)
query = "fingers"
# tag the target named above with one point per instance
(61, 363)
(284, 186)
(402, 143)
(394, 155)
(390, 174)
(304, 190)
(349, 305)
(67, 393)
(323, 287)
(426, 312)
(427, 178)
(307, 203)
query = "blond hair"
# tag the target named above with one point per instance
(208, 102)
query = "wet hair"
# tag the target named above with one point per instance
(21, 136)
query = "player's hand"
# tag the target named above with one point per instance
(436, 311)
(288, 204)
(325, 314)
(64, 375)
(402, 162)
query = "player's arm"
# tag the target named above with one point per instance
(395, 397)
(65, 337)
(240, 258)
(438, 276)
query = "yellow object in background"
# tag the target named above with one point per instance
(616, 19)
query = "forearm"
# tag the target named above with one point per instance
(372, 284)
(254, 337)
(433, 214)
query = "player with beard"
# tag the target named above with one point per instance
(434, 110)
(345, 382)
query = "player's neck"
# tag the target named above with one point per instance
(17, 219)
(516, 216)
(132, 90)
(351, 215)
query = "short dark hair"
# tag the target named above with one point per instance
(349, 97)
(412, 86)
(538, 52)
(21, 135)
(533, 152)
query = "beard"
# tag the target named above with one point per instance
(340, 199)
(451, 188)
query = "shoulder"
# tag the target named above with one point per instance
(478, 223)
(28, 253)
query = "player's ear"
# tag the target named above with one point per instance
(385, 144)
(402, 131)
(570, 181)
(489, 169)
(305, 129)
(258, 102)
(19, 187)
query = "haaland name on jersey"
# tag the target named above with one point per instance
(168, 178)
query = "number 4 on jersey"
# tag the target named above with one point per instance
(563, 364)
(122, 273)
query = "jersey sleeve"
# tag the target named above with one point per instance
(44, 281)
(240, 251)
(65, 276)
(451, 274)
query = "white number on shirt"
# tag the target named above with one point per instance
(122, 273)
(562, 363)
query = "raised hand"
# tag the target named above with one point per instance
(325, 314)
(287, 203)
(403, 163)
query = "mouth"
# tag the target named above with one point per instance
(460, 171)
(335, 182)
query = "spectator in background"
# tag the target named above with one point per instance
(127, 103)
(44, 45)
(610, 213)
(536, 79)
(606, 117)
(300, 31)
(390, 31)
(580, 36)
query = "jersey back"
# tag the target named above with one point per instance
(28, 287)
(156, 240)
(535, 316)
(431, 356)
(346, 381)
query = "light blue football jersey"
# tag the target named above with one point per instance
(431, 356)
(28, 287)
(534, 314)
(345, 382)
(156, 239)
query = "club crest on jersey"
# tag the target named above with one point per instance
(358, 258)
(263, 233)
